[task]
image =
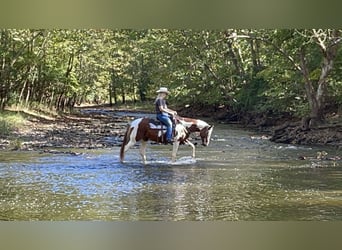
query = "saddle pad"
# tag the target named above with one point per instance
(155, 124)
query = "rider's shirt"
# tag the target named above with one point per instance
(161, 102)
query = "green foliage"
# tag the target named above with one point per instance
(9, 122)
(250, 96)
(253, 70)
(5, 127)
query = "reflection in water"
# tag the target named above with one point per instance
(235, 178)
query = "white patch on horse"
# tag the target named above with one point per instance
(186, 124)
(136, 122)
(135, 126)
(160, 133)
(209, 135)
(199, 123)
(202, 124)
(181, 131)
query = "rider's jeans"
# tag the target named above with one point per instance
(165, 119)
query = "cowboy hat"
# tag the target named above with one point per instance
(163, 90)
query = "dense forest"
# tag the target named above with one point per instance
(245, 70)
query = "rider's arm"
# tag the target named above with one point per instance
(167, 110)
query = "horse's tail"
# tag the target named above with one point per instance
(125, 142)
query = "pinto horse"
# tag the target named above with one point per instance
(144, 129)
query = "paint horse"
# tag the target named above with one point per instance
(144, 129)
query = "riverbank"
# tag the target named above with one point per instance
(103, 127)
(280, 128)
(81, 129)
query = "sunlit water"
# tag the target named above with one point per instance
(238, 177)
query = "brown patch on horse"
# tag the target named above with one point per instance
(193, 128)
(142, 130)
(145, 132)
(204, 134)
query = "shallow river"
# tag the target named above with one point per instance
(240, 176)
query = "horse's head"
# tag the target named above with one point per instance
(196, 125)
(205, 134)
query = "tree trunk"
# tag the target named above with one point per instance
(60, 102)
(70, 66)
(255, 55)
(2, 104)
(110, 94)
(234, 58)
(115, 95)
(123, 95)
(317, 98)
(316, 111)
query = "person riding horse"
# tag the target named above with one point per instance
(163, 112)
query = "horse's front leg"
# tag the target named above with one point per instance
(174, 150)
(193, 148)
(143, 150)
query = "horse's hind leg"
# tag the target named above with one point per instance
(143, 150)
(128, 146)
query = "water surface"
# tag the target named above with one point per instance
(240, 176)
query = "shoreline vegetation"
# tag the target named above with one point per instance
(285, 83)
(280, 127)
(91, 127)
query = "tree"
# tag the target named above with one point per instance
(311, 53)
(328, 42)
(249, 70)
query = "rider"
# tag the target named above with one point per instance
(163, 112)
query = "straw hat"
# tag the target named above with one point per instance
(163, 90)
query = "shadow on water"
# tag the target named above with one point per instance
(240, 176)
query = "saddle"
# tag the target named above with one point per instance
(158, 125)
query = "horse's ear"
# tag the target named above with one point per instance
(210, 127)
